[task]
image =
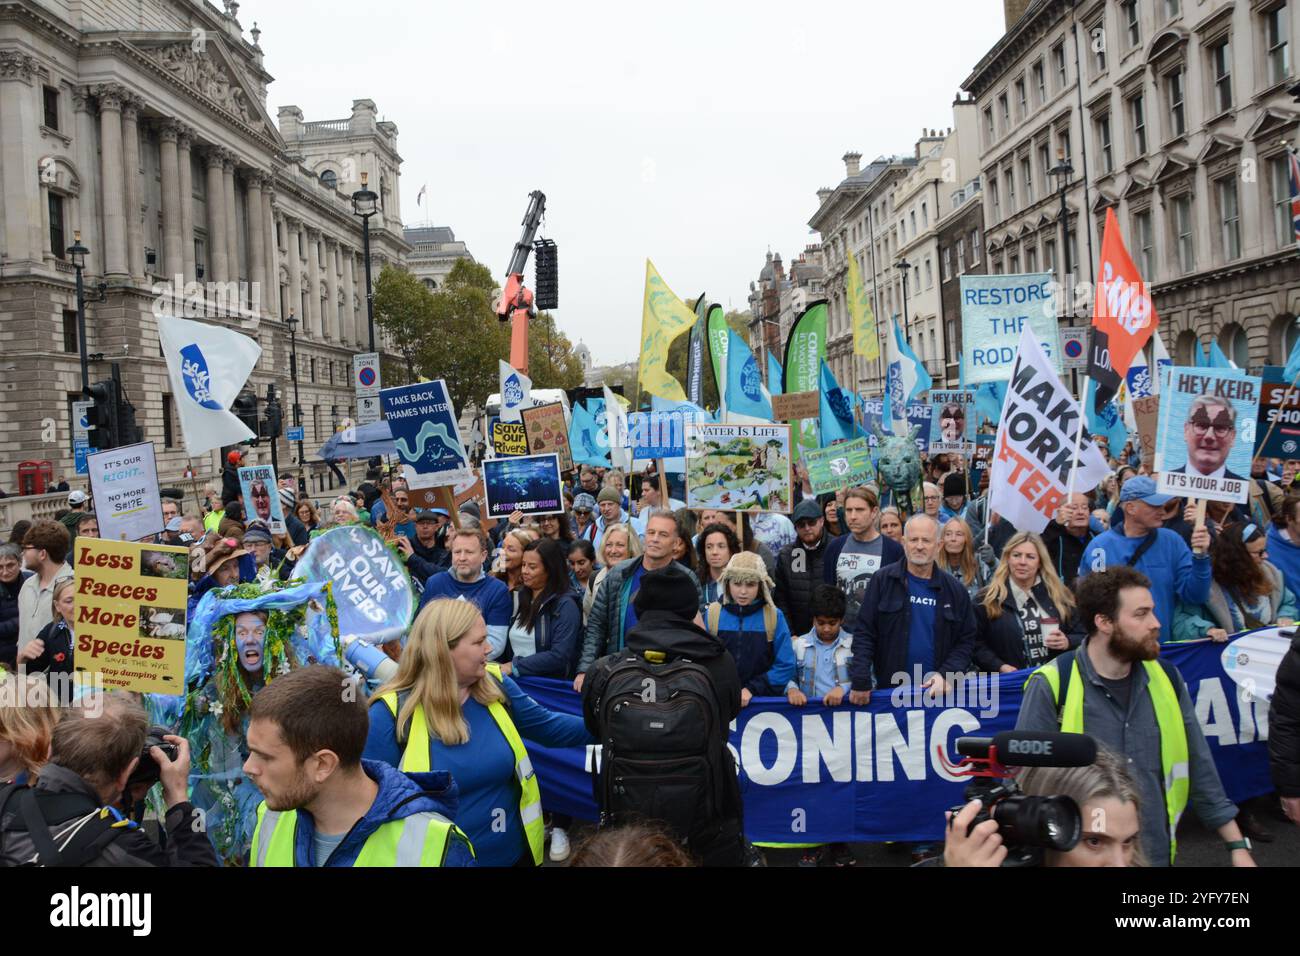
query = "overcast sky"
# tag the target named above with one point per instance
(695, 134)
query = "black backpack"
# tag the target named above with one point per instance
(664, 753)
(85, 829)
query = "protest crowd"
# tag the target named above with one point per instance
(635, 615)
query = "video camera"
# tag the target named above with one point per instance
(1028, 824)
(147, 770)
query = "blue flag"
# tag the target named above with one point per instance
(1217, 358)
(1292, 370)
(905, 378)
(989, 399)
(745, 392)
(586, 448)
(1107, 424)
(1202, 360)
(774, 374)
(837, 420)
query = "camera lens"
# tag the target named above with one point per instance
(1049, 823)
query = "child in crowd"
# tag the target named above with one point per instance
(754, 631)
(822, 672)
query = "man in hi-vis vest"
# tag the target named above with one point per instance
(1114, 688)
(324, 805)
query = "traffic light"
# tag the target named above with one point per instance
(102, 418)
(546, 294)
(272, 422)
(245, 410)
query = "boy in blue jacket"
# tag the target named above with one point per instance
(752, 628)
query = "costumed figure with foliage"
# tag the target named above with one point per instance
(899, 466)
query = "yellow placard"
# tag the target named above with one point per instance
(130, 615)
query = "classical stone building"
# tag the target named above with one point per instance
(778, 297)
(144, 127)
(434, 250)
(1172, 113)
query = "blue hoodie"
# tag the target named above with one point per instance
(764, 667)
(400, 795)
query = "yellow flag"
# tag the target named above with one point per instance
(866, 341)
(663, 318)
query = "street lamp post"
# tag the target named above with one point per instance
(77, 252)
(365, 203)
(903, 266)
(292, 322)
(1062, 172)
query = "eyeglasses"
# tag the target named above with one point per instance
(1201, 423)
(931, 497)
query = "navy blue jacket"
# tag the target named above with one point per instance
(557, 629)
(9, 617)
(891, 552)
(881, 637)
(400, 795)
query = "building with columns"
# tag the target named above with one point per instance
(146, 131)
(1174, 114)
(778, 297)
(434, 250)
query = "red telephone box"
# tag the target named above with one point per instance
(35, 477)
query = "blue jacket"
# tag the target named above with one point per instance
(1285, 556)
(557, 629)
(891, 552)
(1176, 574)
(764, 667)
(400, 795)
(9, 616)
(880, 640)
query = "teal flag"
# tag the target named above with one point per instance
(775, 377)
(805, 350)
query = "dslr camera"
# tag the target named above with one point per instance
(1028, 824)
(147, 770)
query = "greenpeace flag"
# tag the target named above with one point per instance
(1123, 315)
(208, 366)
(516, 392)
(1034, 450)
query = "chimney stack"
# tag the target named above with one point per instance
(852, 164)
(1014, 10)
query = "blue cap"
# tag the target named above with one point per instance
(422, 513)
(1141, 488)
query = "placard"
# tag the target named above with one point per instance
(426, 434)
(124, 484)
(738, 467)
(845, 465)
(994, 310)
(547, 433)
(372, 589)
(1279, 403)
(918, 417)
(796, 406)
(509, 439)
(258, 488)
(1207, 432)
(130, 627)
(952, 421)
(530, 484)
(1146, 411)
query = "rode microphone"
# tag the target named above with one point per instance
(1031, 748)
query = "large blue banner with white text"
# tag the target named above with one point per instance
(817, 774)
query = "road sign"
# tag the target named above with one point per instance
(80, 419)
(368, 410)
(81, 451)
(295, 434)
(365, 374)
(1074, 347)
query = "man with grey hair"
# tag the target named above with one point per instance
(1209, 434)
(916, 622)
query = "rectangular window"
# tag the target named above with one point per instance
(1282, 222)
(974, 246)
(925, 217)
(1138, 120)
(1049, 254)
(70, 330)
(993, 199)
(1013, 264)
(1031, 259)
(945, 264)
(199, 265)
(51, 101)
(1010, 180)
(997, 266)
(989, 132)
(1183, 227)
(311, 364)
(1229, 218)
(1058, 65)
(1045, 161)
(1132, 29)
(169, 439)
(1004, 111)
(1063, 143)
(929, 273)
(912, 216)
(1174, 101)
(1221, 70)
(1022, 98)
(1097, 39)
(961, 257)
(1144, 243)
(57, 243)
(1172, 9)
(1040, 82)
(1275, 33)
(1107, 155)
(1027, 178)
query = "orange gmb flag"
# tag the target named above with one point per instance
(1123, 315)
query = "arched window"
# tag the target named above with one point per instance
(1235, 345)
(1282, 337)
(329, 179)
(1185, 349)
(430, 284)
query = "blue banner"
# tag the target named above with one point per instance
(426, 434)
(817, 774)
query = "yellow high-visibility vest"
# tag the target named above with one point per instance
(1169, 718)
(415, 759)
(418, 840)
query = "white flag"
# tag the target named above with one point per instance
(1034, 451)
(516, 392)
(419, 198)
(208, 366)
(620, 453)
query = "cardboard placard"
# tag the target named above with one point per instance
(796, 406)
(426, 434)
(1147, 413)
(547, 433)
(509, 440)
(124, 484)
(738, 467)
(1206, 433)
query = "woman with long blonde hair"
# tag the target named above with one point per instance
(957, 555)
(28, 713)
(1026, 614)
(448, 709)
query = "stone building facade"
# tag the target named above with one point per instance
(434, 250)
(146, 131)
(1172, 113)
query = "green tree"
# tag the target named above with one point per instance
(403, 309)
(551, 362)
(465, 340)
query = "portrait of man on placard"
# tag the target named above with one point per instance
(1209, 433)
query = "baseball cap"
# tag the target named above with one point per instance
(1141, 488)
(807, 510)
(174, 525)
(428, 514)
(257, 532)
(77, 497)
